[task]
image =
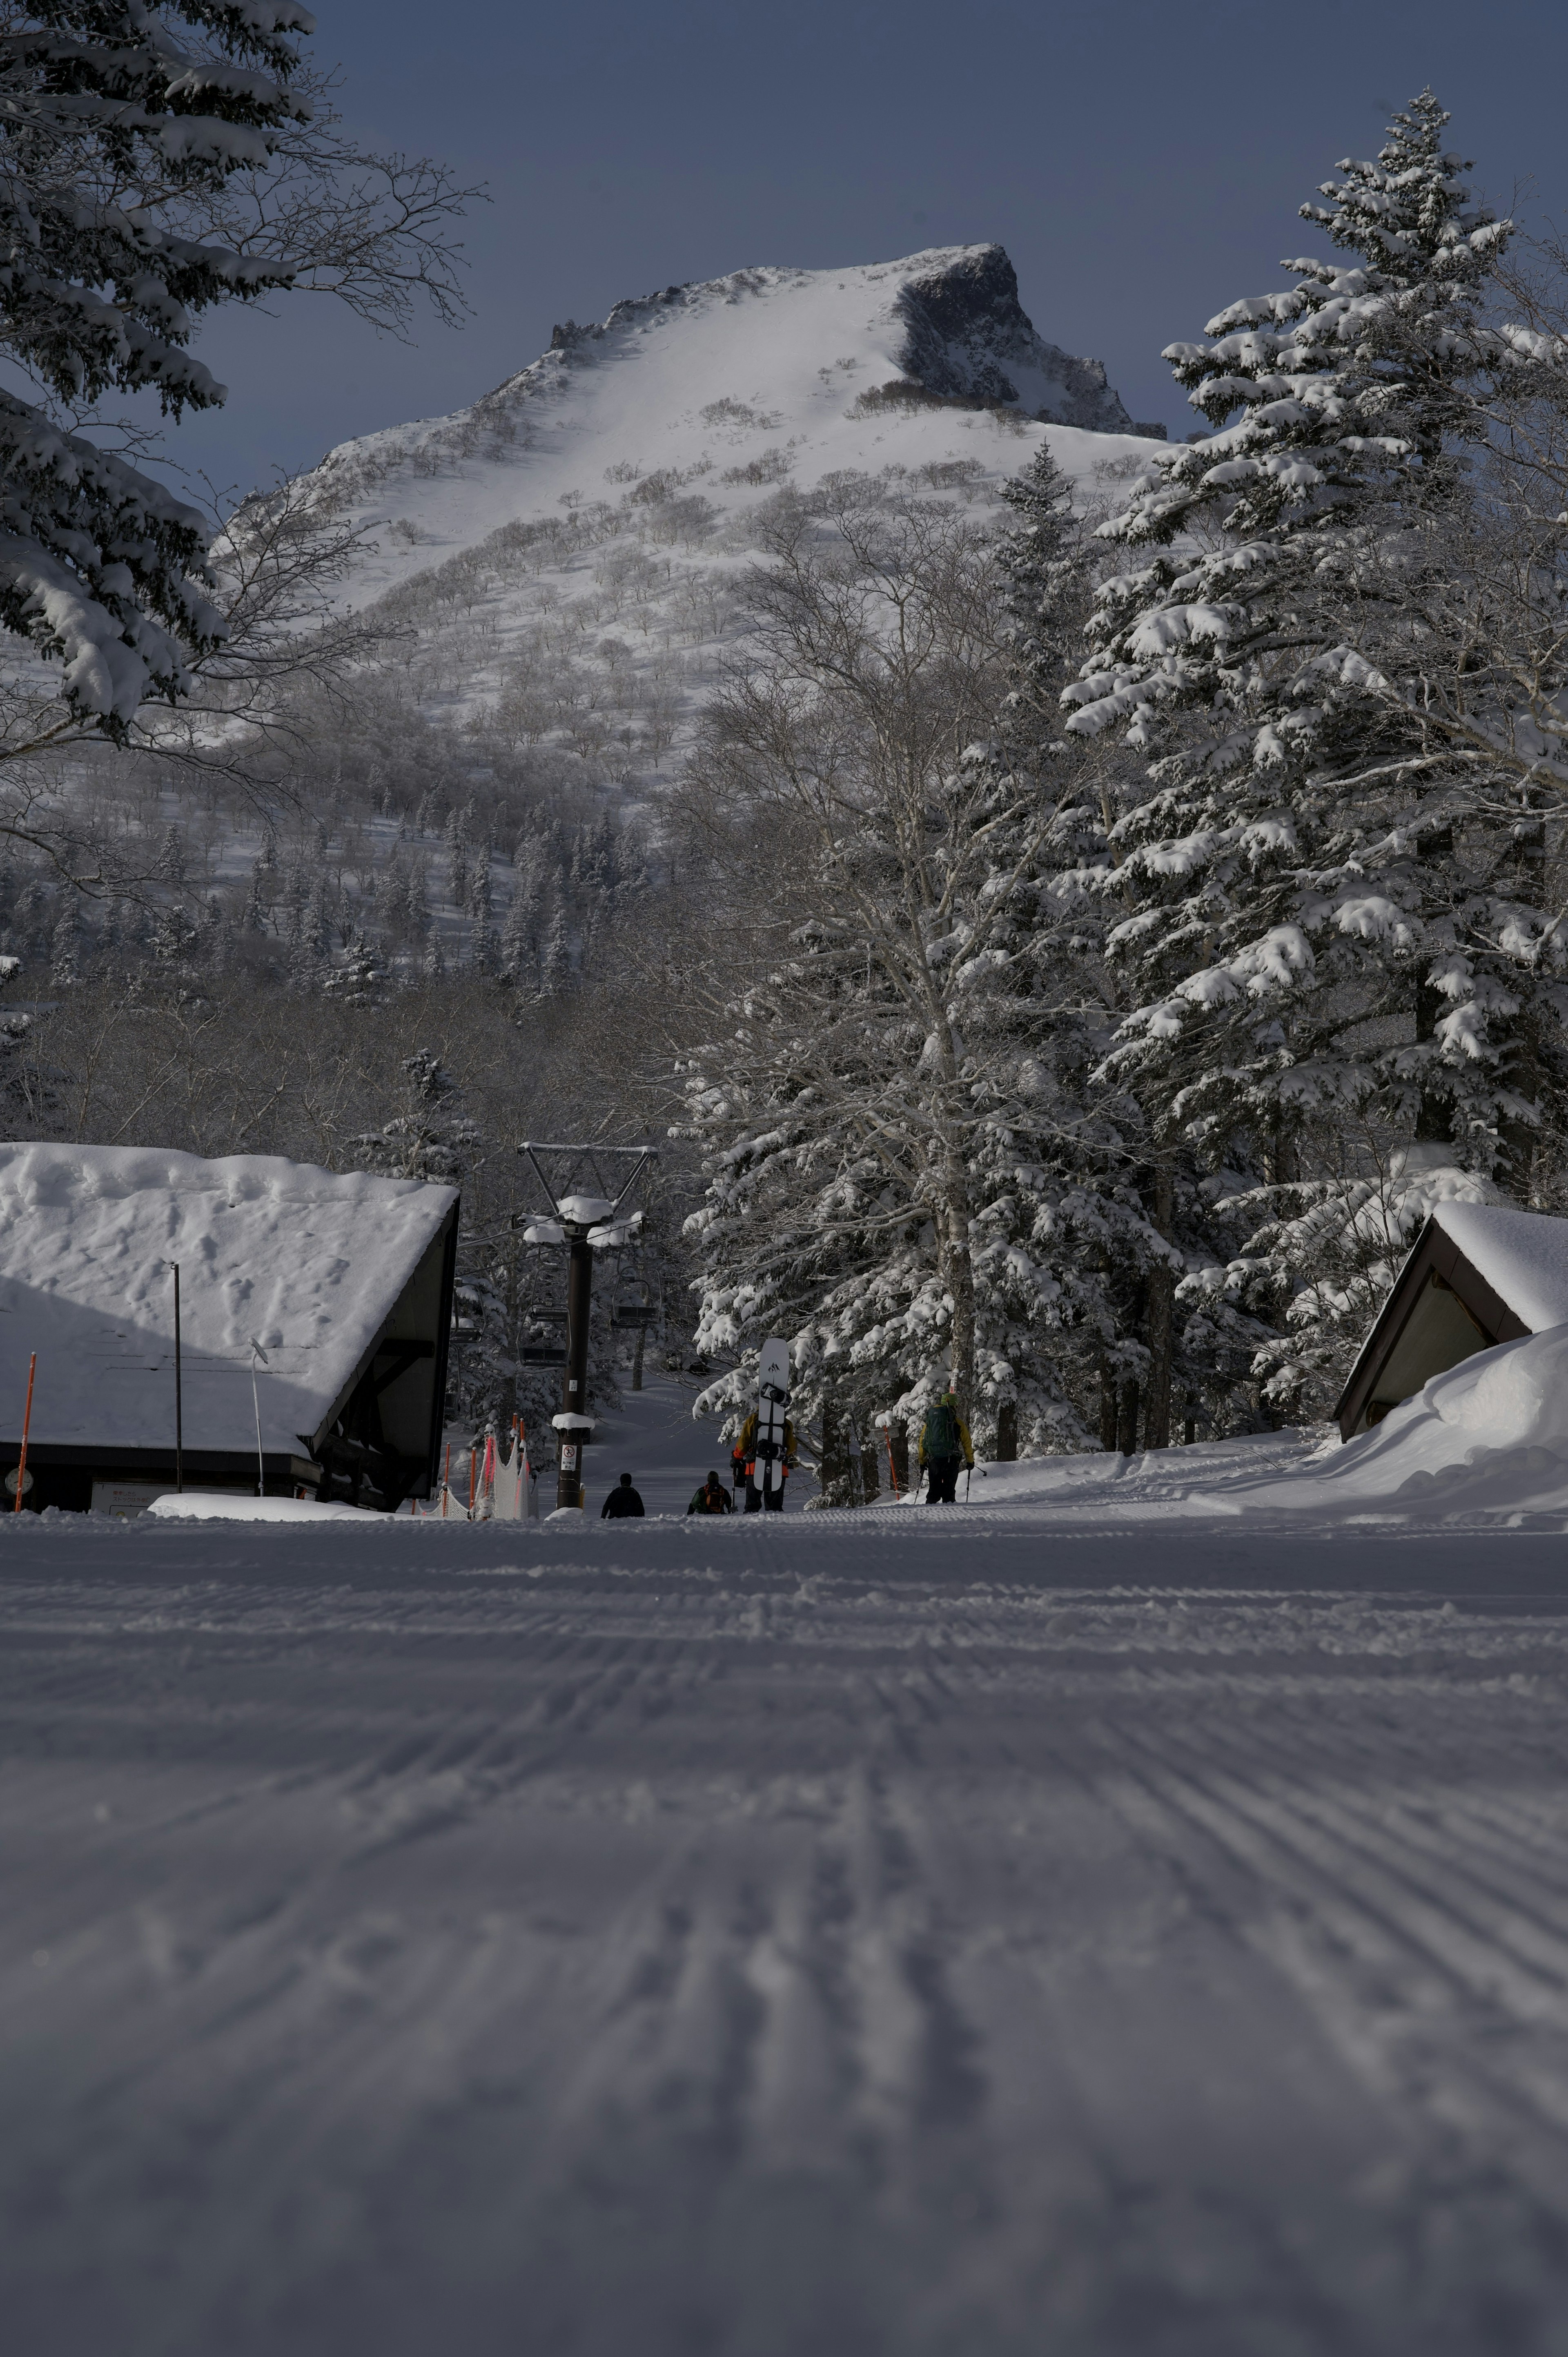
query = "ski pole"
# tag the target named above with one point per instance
(27, 1420)
(967, 1478)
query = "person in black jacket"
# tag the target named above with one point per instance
(620, 1502)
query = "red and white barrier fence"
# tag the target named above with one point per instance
(500, 1489)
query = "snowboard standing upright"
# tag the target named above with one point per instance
(772, 1405)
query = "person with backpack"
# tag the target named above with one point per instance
(621, 1502)
(743, 1466)
(712, 1497)
(944, 1443)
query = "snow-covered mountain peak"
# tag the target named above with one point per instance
(677, 379)
(951, 324)
(566, 551)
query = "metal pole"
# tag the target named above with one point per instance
(575, 1388)
(178, 1394)
(257, 1352)
(27, 1422)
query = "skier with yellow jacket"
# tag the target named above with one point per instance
(742, 1464)
(944, 1439)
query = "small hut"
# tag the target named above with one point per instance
(1478, 1274)
(332, 1291)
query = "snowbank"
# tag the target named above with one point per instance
(1491, 1434)
(227, 1506)
(1488, 1440)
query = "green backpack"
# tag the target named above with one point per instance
(941, 1435)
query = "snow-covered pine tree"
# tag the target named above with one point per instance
(361, 979)
(1042, 564)
(115, 114)
(1305, 926)
(65, 947)
(520, 933)
(457, 859)
(254, 919)
(1096, 1223)
(430, 1138)
(555, 959)
(481, 885)
(170, 865)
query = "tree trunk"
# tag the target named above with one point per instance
(1127, 1421)
(636, 1358)
(958, 1273)
(1107, 1404)
(1519, 1138)
(1159, 1315)
(833, 1472)
(900, 1441)
(1007, 1433)
(1434, 1117)
(513, 1337)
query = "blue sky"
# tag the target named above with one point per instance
(1142, 166)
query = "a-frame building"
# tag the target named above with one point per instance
(332, 1289)
(1478, 1274)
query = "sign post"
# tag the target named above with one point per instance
(178, 1392)
(27, 1423)
(257, 1352)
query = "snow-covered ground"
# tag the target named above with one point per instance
(1033, 1926)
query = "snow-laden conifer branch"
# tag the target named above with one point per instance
(155, 163)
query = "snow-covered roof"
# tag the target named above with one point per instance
(307, 1261)
(1522, 1256)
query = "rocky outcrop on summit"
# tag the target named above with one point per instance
(966, 337)
(970, 338)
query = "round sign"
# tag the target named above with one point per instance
(11, 1483)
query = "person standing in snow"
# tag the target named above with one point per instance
(712, 1497)
(944, 1442)
(620, 1502)
(743, 1465)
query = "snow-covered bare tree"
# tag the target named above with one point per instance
(902, 1174)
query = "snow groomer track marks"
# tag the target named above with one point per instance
(827, 1936)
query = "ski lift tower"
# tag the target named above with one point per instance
(586, 1218)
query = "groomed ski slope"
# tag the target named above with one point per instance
(971, 1932)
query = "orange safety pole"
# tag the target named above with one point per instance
(27, 1420)
(892, 1469)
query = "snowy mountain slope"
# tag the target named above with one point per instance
(557, 566)
(565, 548)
